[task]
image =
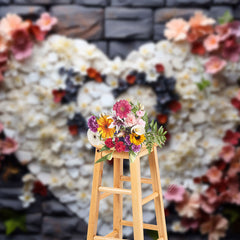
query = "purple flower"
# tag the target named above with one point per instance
(126, 149)
(92, 124)
(127, 140)
(136, 148)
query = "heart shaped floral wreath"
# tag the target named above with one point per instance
(192, 92)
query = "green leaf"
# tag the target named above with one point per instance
(203, 84)
(225, 18)
(132, 156)
(155, 127)
(18, 222)
(145, 118)
(106, 157)
(104, 148)
(152, 123)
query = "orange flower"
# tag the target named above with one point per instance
(176, 29)
(94, 74)
(199, 19)
(211, 42)
(104, 122)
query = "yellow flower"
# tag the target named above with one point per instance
(103, 129)
(137, 139)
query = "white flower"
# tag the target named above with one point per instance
(94, 138)
(147, 50)
(177, 227)
(138, 129)
(151, 75)
(27, 198)
(114, 66)
(71, 109)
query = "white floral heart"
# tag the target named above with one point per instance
(64, 162)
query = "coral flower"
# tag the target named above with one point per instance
(176, 29)
(214, 65)
(211, 42)
(199, 19)
(11, 23)
(137, 139)
(104, 122)
(122, 108)
(21, 45)
(227, 153)
(214, 175)
(174, 193)
(8, 146)
(223, 31)
(46, 22)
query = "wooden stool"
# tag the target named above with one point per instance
(99, 193)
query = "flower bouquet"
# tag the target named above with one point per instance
(125, 129)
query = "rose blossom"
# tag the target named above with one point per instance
(46, 22)
(214, 65)
(211, 42)
(130, 120)
(21, 45)
(141, 122)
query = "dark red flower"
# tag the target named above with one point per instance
(236, 103)
(73, 129)
(198, 48)
(231, 49)
(174, 106)
(109, 143)
(131, 79)
(38, 34)
(231, 137)
(40, 189)
(120, 146)
(162, 118)
(159, 68)
(21, 44)
(58, 95)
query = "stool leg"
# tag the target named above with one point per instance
(95, 197)
(117, 198)
(136, 199)
(156, 184)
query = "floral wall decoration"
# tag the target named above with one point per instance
(188, 83)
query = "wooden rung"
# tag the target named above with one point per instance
(107, 238)
(143, 180)
(149, 198)
(115, 190)
(145, 225)
(104, 195)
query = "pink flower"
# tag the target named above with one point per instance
(223, 31)
(8, 146)
(234, 169)
(214, 65)
(211, 42)
(175, 193)
(130, 120)
(235, 28)
(231, 137)
(140, 113)
(46, 22)
(21, 45)
(189, 206)
(122, 108)
(231, 49)
(227, 153)
(214, 175)
(141, 122)
(11, 23)
(211, 195)
(215, 226)
(176, 29)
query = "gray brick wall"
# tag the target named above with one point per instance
(117, 26)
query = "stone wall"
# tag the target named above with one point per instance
(117, 26)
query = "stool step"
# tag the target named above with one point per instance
(107, 238)
(145, 225)
(143, 180)
(149, 198)
(115, 190)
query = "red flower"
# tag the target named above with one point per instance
(159, 68)
(231, 137)
(120, 147)
(236, 103)
(162, 118)
(231, 49)
(109, 143)
(198, 48)
(174, 106)
(22, 44)
(94, 74)
(131, 79)
(58, 95)
(73, 129)
(40, 189)
(38, 34)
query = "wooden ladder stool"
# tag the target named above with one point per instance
(99, 192)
